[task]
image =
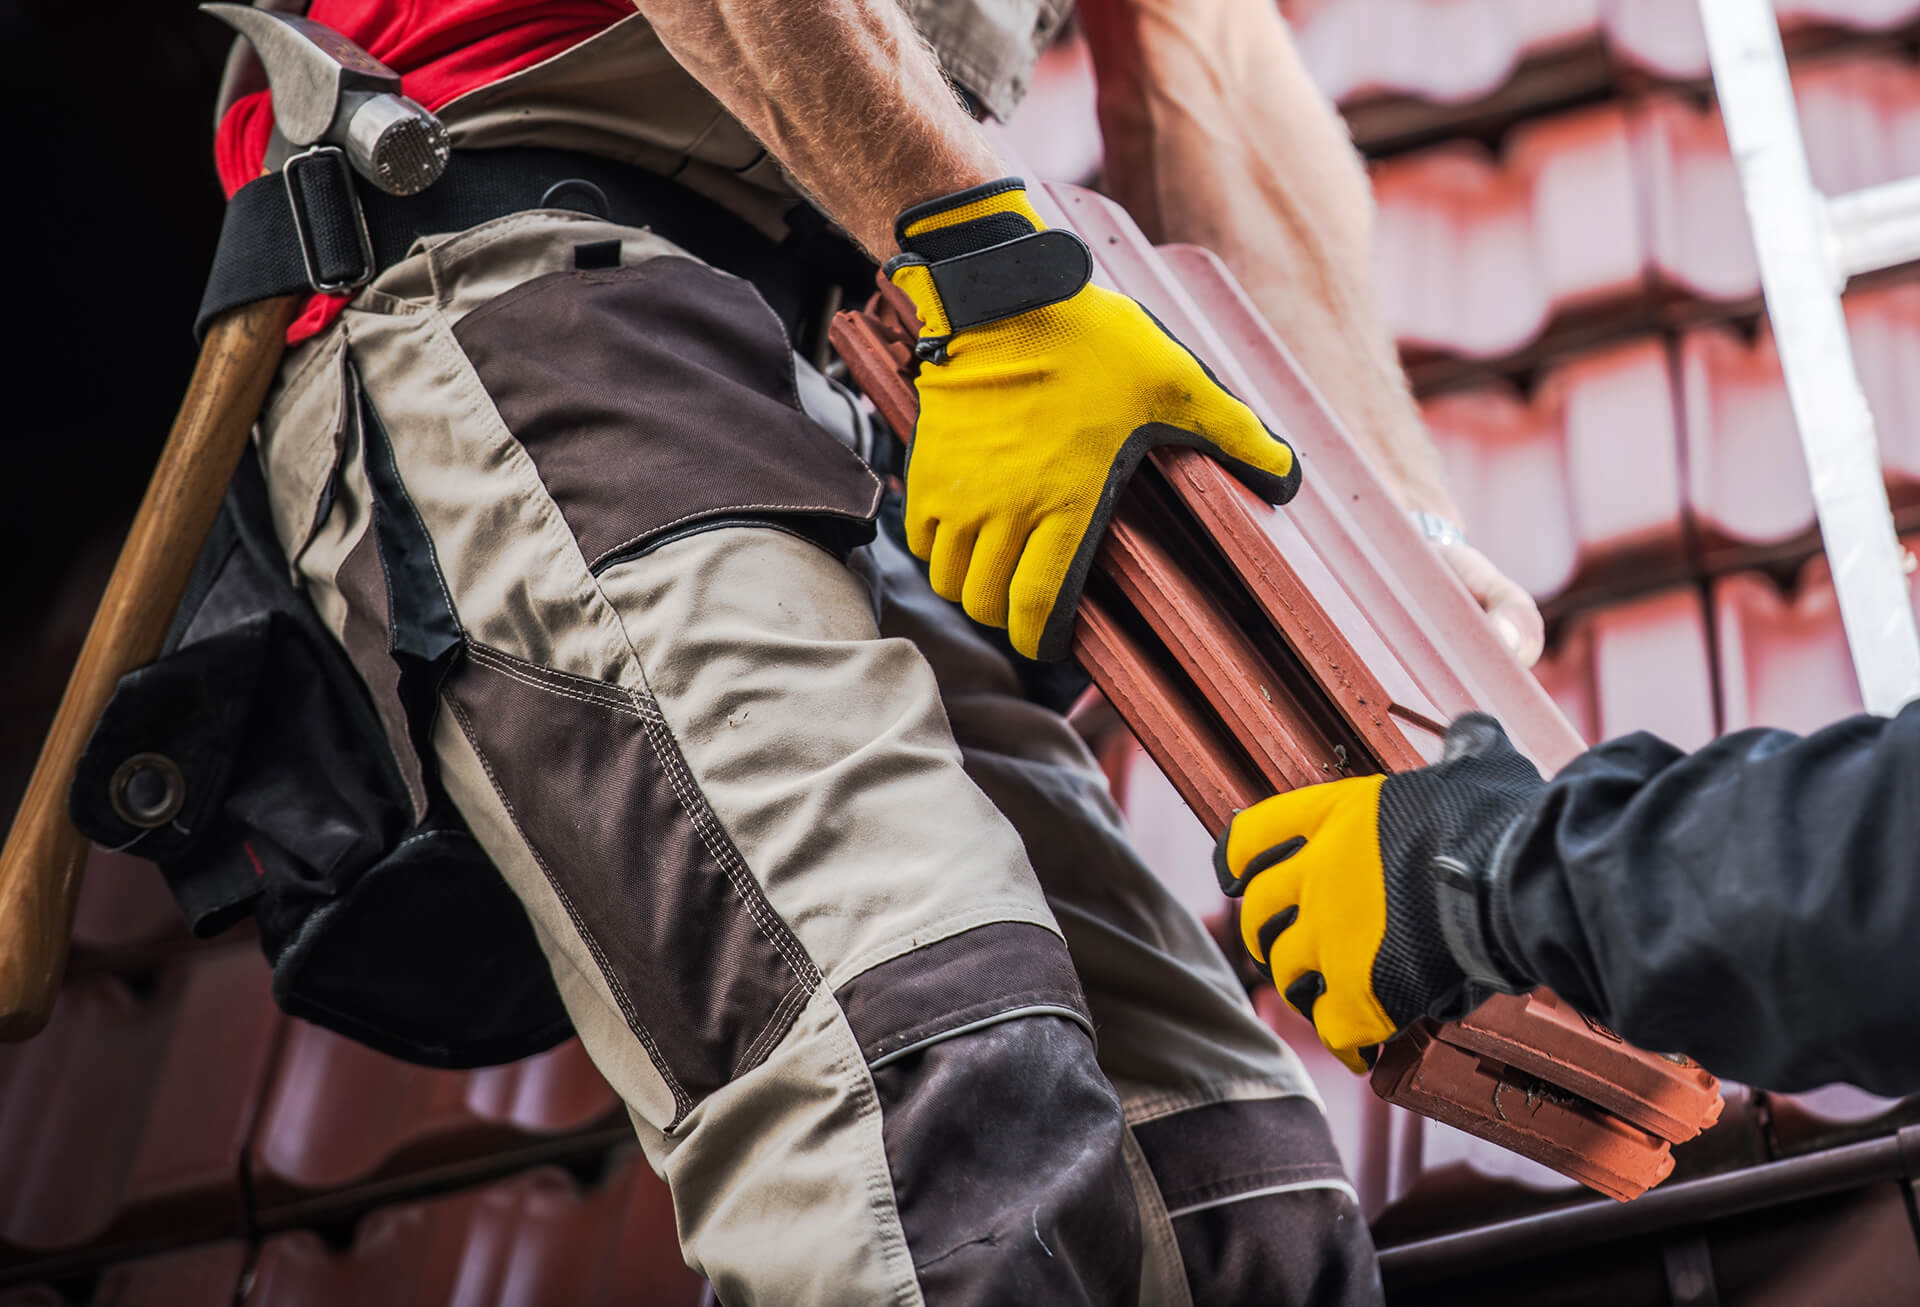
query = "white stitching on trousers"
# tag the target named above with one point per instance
(1339, 1186)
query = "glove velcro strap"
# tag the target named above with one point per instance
(1458, 897)
(1014, 277)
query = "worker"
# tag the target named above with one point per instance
(1753, 905)
(848, 920)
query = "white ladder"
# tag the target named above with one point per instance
(1809, 246)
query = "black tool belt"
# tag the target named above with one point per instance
(316, 227)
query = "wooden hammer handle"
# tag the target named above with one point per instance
(40, 867)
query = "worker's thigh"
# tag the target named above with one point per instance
(797, 939)
(1238, 1179)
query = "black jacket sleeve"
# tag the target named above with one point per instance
(1755, 905)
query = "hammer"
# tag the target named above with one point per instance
(328, 96)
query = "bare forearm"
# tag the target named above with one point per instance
(843, 92)
(1216, 136)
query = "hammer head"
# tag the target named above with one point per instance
(328, 91)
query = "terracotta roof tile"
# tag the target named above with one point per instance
(1540, 482)
(530, 1241)
(1860, 118)
(1665, 39)
(338, 1114)
(1600, 218)
(1783, 656)
(204, 1276)
(1506, 57)
(126, 1118)
(1746, 476)
(1444, 52)
(1639, 665)
(125, 915)
(1477, 255)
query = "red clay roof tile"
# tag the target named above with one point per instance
(1746, 476)
(1443, 52)
(126, 1118)
(530, 1241)
(1639, 665)
(338, 1114)
(1579, 485)
(207, 1275)
(1477, 256)
(1594, 218)
(1783, 658)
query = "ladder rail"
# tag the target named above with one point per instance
(1808, 246)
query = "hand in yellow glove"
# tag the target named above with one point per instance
(1374, 901)
(1039, 395)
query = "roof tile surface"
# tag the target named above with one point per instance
(535, 1240)
(338, 1114)
(126, 1118)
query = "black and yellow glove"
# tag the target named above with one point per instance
(1039, 395)
(1366, 900)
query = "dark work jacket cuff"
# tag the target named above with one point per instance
(1519, 896)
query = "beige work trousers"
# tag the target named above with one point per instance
(853, 928)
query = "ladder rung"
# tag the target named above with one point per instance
(1875, 227)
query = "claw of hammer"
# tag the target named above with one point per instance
(328, 91)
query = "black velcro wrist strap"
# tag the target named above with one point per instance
(1015, 277)
(942, 204)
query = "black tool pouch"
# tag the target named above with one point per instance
(249, 762)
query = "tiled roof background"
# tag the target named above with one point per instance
(1564, 261)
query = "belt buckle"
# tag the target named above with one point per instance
(300, 176)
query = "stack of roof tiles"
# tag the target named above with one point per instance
(1563, 257)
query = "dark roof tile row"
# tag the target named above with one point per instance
(177, 1103)
(125, 1118)
(534, 1240)
(207, 1275)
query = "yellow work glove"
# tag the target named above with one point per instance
(1039, 395)
(1368, 901)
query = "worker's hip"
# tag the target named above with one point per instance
(587, 461)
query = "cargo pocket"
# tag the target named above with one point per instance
(303, 440)
(399, 628)
(659, 400)
(250, 763)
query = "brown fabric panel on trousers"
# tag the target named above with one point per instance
(656, 397)
(707, 975)
(1308, 1248)
(1008, 1168)
(1261, 1204)
(973, 976)
(364, 633)
(1208, 1154)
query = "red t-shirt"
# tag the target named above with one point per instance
(441, 49)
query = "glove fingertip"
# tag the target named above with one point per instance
(1023, 635)
(1230, 885)
(921, 532)
(1274, 487)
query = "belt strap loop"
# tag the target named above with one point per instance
(328, 224)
